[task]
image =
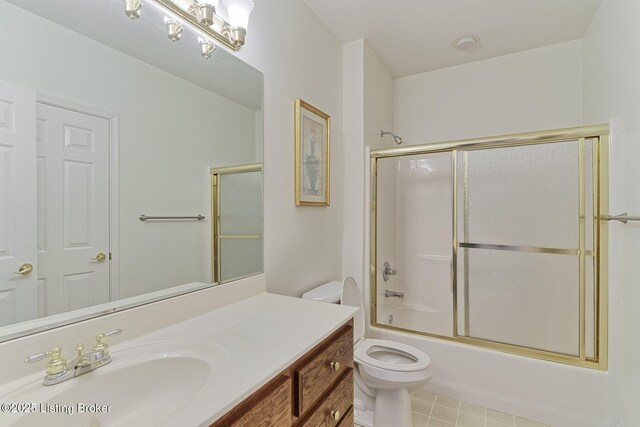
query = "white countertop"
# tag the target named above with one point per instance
(254, 340)
(263, 335)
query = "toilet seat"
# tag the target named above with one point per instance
(391, 355)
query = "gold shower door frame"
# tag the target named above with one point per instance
(598, 135)
(216, 235)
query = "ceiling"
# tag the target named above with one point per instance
(106, 22)
(414, 36)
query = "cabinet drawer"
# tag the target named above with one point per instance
(271, 410)
(339, 404)
(323, 369)
(347, 419)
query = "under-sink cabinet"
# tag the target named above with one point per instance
(315, 391)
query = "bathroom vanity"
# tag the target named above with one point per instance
(252, 358)
(316, 390)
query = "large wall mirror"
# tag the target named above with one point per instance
(130, 166)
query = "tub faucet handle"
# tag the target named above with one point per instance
(388, 271)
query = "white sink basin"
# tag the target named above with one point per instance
(144, 386)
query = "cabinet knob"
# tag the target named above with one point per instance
(335, 365)
(335, 415)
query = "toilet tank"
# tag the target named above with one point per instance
(329, 292)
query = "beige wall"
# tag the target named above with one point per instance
(300, 58)
(368, 108)
(354, 163)
(531, 90)
(611, 91)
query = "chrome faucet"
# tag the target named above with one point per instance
(59, 370)
(388, 271)
(394, 294)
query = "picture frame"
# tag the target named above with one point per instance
(312, 155)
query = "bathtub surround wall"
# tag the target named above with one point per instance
(611, 88)
(388, 240)
(414, 229)
(301, 59)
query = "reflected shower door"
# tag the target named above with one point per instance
(414, 235)
(237, 240)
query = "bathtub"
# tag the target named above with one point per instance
(417, 318)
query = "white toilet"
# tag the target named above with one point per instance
(386, 372)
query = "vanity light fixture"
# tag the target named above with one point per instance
(206, 48)
(132, 8)
(174, 29)
(221, 21)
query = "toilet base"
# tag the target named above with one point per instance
(393, 408)
(363, 418)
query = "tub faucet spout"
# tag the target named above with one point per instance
(394, 294)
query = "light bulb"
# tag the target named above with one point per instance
(206, 12)
(132, 8)
(174, 29)
(206, 48)
(239, 12)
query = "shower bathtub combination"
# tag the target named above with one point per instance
(496, 242)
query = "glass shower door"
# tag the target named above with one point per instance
(523, 245)
(498, 242)
(414, 232)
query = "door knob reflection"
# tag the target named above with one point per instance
(24, 269)
(101, 257)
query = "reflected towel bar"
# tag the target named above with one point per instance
(144, 217)
(623, 218)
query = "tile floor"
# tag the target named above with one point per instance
(432, 410)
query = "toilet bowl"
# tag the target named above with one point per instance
(386, 371)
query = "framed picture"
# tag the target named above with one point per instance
(312, 155)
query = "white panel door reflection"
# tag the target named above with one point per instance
(73, 208)
(18, 291)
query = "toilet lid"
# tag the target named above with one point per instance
(351, 296)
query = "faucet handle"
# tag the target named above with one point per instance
(101, 340)
(56, 365)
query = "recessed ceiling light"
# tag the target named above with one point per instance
(466, 43)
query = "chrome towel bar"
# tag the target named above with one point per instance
(144, 217)
(623, 218)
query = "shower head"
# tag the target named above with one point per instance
(396, 138)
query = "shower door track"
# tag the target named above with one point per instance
(598, 135)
